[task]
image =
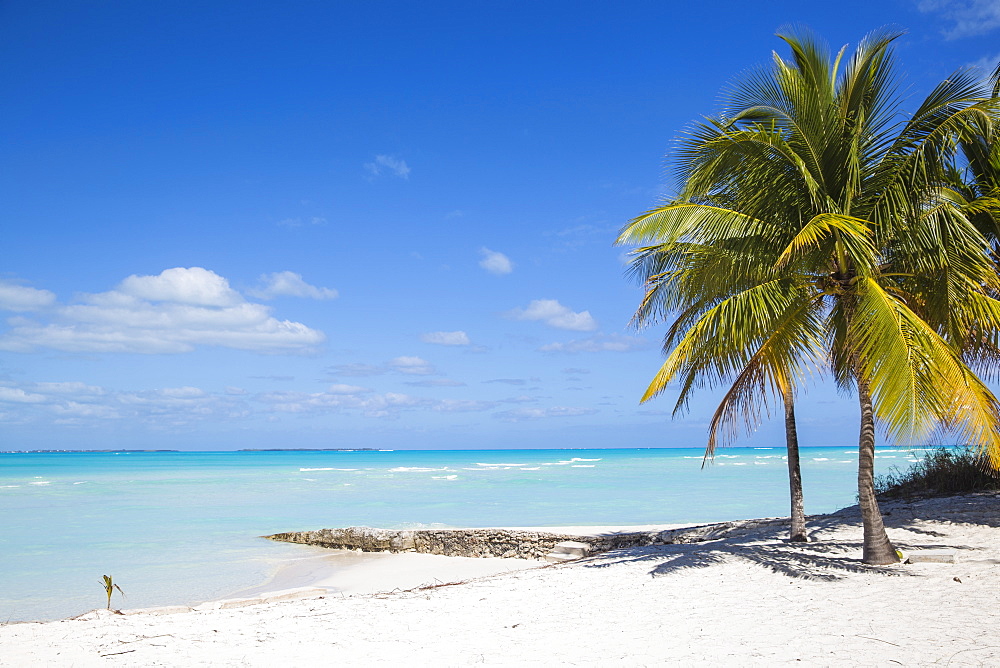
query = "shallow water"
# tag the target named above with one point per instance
(184, 527)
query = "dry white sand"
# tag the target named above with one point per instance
(749, 599)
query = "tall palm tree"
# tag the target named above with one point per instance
(817, 219)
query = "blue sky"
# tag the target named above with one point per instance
(367, 224)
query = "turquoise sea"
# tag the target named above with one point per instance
(184, 527)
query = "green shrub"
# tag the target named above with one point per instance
(941, 472)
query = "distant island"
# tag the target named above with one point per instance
(308, 450)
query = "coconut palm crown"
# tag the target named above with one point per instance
(815, 232)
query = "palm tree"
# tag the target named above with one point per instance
(686, 282)
(817, 219)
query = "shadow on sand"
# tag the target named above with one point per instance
(825, 557)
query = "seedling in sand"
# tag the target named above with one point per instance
(110, 587)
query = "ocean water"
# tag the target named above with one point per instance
(185, 527)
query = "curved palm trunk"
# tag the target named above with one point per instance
(798, 517)
(877, 548)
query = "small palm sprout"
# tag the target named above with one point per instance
(109, 587)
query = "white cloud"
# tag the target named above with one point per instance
(520, 399)
(289, 284)
(520, 414)
(194, 286)
(19, 396)
(74, 403)
(599, 343)
(415, 366)
(507, 381)
(14, 297)
(459, 338)
(74, 412)
(75, 388)
(554, 314)
(495, 262)
(389, 404)
(185, 392)
(173, 312)
(986, 64)
(172, 408)
(341, 388)
(356, 369)
(967, 17)
(463, 405)
(388, 164)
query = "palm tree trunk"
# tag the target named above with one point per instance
(797, 533)
(877, 548)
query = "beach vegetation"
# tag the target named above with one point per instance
(110, 587)
(940, 472)
(818, 230)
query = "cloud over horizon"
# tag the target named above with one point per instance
(182, 407)
(521, 414)
(77, 404)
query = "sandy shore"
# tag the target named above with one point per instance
(745, 598)
(347, 572)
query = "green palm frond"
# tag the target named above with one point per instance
(723, 338)
(695, 223)
(918, 380)
(852, 233)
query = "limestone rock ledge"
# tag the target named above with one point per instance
(506, 543)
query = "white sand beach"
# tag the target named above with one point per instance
(748, 598)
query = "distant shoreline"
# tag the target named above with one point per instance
(48, 452)
(14, 452)
(690, 447)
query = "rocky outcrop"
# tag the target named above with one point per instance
(365, 539)
(506, 543)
